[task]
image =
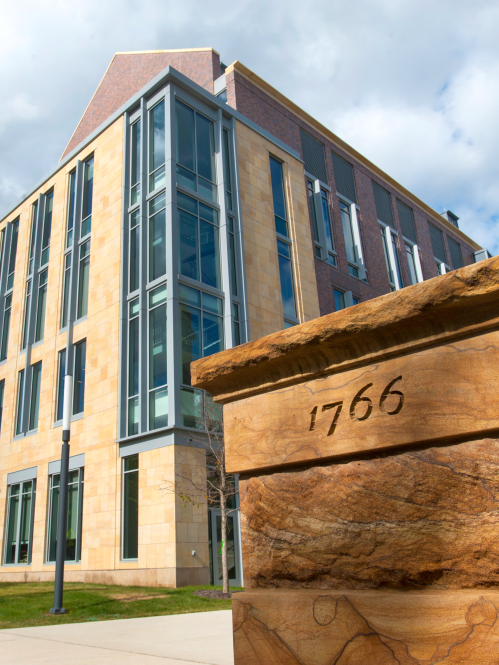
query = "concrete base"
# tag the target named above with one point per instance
(320, 627)
(167, 577)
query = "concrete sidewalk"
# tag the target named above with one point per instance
(181, 639)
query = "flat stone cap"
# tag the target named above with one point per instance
(448, 307)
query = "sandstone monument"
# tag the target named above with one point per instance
(367, 443)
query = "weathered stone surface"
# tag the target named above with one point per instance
(366, 628)
(454, 305)
(420, 518)
(422, 397)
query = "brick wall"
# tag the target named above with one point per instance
(269, 113)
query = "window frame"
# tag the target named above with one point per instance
(21, 496)
(79, 516)
(124, 472)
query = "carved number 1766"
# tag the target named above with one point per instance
(359, 397)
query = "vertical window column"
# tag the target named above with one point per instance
(7, 284)
(84, 239)
(284, 246)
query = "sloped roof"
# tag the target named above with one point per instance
(129, 72)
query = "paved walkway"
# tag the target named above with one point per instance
(181, 639)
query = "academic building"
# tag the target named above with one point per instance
(194, 208)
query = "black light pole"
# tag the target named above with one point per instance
(62, 521)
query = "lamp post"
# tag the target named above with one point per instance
(62, 520)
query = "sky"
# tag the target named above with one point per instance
(411, 84)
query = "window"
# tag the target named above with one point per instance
(79, 377)
(74, 523)
(66, 287)
(313, 213)
(281, 224)
(286, 277)
(34, 212)
(83, 277)
(134, 260)
(339, 300)
(283, 248)
(158, 378)
(227, 178)
(130, 507)
(5, 327)
(19, 531)
(201, 327)
(133, 367)
(61, 374)
(411, 261)
(40, 310)
(455, 253)
(201, 321)
(343, 175)
(2, 241)
(71, 209)
(390, 251)
(88, 188)
(195, 152)
(232, 255)
(47, 228)
(20, 403)
(235, 320)
(157, 237)
(328, 228)
(135, 164)
(199, 255)
(356, 301)
(157, 176)
(12, 256)
(34, 404)
(350, 244)
(27, 302)
(2, 393)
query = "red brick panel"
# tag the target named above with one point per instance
(129, 72)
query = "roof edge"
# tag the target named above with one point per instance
(331, 136)
(169, 50)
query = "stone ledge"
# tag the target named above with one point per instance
(455, 305)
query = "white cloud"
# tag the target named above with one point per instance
(412, 84)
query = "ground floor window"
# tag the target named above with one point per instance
(130, 545)
(74, 523)
(19, 532)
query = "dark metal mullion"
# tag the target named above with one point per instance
(33, 306)
(4, 273)
(143, 274)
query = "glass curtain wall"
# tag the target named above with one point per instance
(74, 523)
(19, 528)
(197, 216)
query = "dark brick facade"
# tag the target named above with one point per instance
(129, 72)
(253, 102)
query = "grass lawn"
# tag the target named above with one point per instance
(23, 605)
